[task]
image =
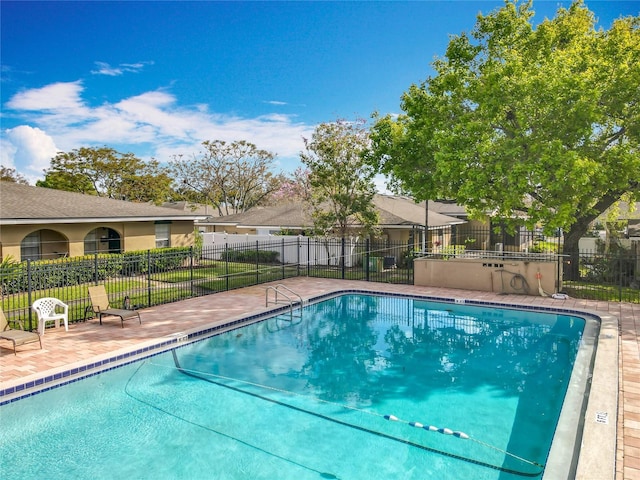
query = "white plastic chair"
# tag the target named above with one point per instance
(45, 308)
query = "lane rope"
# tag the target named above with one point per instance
(211, 378)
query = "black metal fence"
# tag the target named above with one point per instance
(613, 277)
(167, 275)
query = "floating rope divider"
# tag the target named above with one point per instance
(211, 378)
(462, 435)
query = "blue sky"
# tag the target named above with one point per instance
(158, 78)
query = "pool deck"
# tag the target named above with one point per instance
(90, 342)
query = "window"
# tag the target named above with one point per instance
(30, 247)
(91, 243)
(163, 235)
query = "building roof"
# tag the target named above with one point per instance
(399, 210)
(447, 207)
(395, 212)
(190, 207)
(25, 204)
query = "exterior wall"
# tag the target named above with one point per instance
(181, 234)
(69, 238)
(487, 275)
(138, 236)
(396, 235)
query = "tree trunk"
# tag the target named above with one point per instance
(571, 261)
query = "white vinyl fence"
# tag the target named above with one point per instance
(291, 249)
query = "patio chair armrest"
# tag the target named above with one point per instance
(61, 304)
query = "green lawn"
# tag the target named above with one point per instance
(610, 293)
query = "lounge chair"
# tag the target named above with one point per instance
(100, 306)
(17, 337)
(45, 308)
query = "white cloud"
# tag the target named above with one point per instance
(54, 97)
(31, 148)
(57, 118)
(105, 69)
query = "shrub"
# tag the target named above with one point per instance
(251, 256)
(64, 272)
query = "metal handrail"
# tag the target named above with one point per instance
(289, 301)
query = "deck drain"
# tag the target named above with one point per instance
(602, 417)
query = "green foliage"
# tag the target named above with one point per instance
(251, 256)
(452, 251)
(88, 268)
(340, 181)
(521, 119)
(543, 247)
(155, 260)
(198, 243)
(11, 175)
(10, 274)
(107, 173)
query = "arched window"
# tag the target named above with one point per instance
(44, 244)
(102, 240)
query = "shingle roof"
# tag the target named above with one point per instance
(396, 210)
(288, 215)
(393, 211)
(446, 207)
(22, 204)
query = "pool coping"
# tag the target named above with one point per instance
(597, 451)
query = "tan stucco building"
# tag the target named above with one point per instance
(42, 223)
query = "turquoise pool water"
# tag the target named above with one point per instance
(306, 398)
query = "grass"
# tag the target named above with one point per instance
(218, 269)
(609, 293)
(217, 276)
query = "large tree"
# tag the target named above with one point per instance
(104, 172)
(341, 182)
(294, 187)
(540, 122)
(8, 174)
(233, 177)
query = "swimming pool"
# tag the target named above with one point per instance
(307, 398)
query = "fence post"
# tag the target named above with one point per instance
(410, 264)
(343, 258)
(308, 256)
(191, 254)
(95, 268)
(148, 278)
(282, 258)
(367, 256)
(29, 291)
(620, 287)
(298, 258)
(226, 265)
(257, 262)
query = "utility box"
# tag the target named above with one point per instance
(389, 262)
